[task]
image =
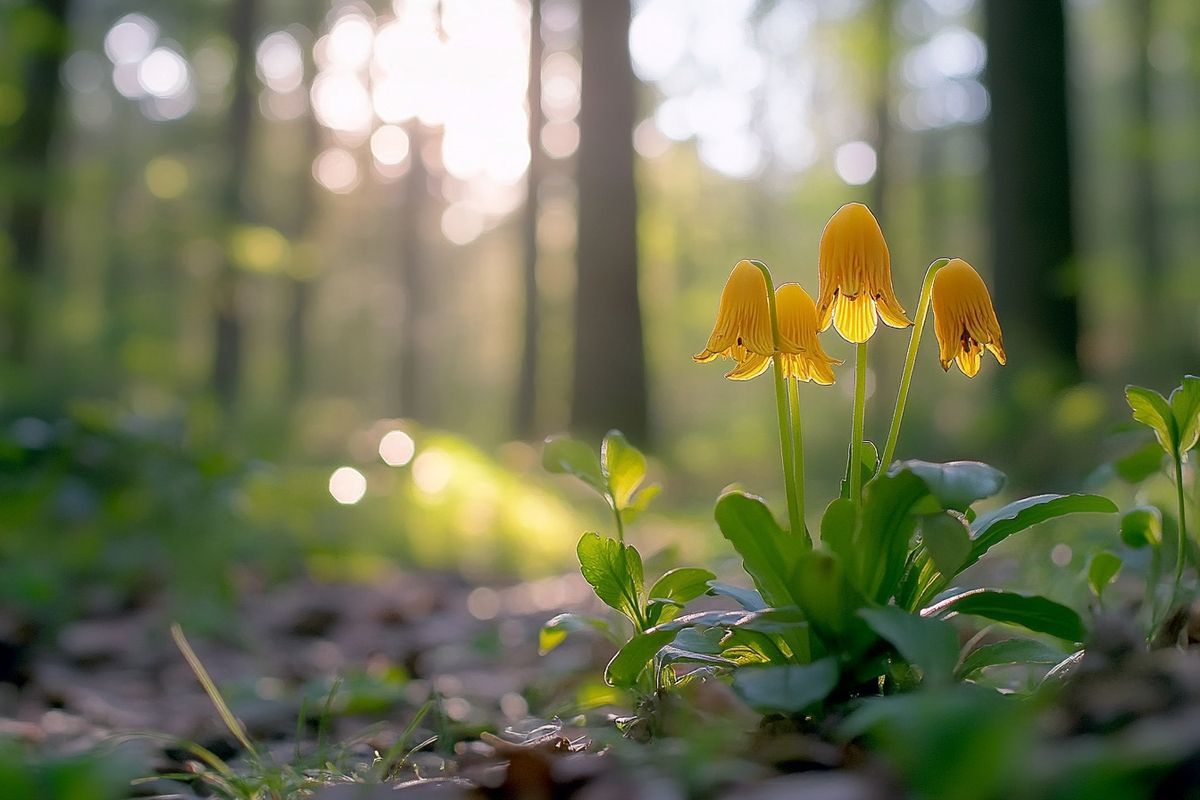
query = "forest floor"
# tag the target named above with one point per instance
(429, 686)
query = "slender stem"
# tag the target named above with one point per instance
(1182, 532)
(856, 435)
(910, 360)
(785, 447)
(797, 445)
(620, 522)
(781, 406)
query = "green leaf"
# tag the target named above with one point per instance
(1102, 570)
(786, 689)
(748, 599)
(1140, 464)
(991, 529)
(1151, 409)
(614, 572)
(566, 456)
(948, 541)
(1009, 651)
(627, 665)
(956, 484)
(682, 584)
(1034, 612)
(930, 644)
(829, 601)
(623, 465)
(673, 590)
(1141, 527)
(768, 553)
(1185, 407)
(837, 530)
(869, 466)
(640, 502)
(555, 630)
(884, 531)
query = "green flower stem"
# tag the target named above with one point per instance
(1182, 533)
(797, 446)
(856, 435)
(914, 342)
(781, 406)
(620, 522)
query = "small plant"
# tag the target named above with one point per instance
(861, 607)
(614, 569)
(1175, 421)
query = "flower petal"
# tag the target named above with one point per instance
(854, 318)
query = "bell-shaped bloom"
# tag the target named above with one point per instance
(855, 272)
(964, 321)
(798, 323)
(743, 327)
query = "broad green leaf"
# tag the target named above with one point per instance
(869, 466)
(555, 630)
(615, 572)
(991, 529)
(566, 456)
(829, 600)
(1140, 464)
(1141, 527)
(956, 484)
(1151, 409)
(884, 530)
(930, 644)
(640, 502)
(837, 530)
(623, 465)
(1185, 406)
(1102, 570)
(786, 689)
(748, 599)
(1034, 612)
(948, 541)
(627, 665)
(674, 589)
(768, 553)
(1009, 651)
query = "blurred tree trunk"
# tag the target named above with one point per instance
(525, 417)
(1033, 243)
(302, 223)
(1147, 230)
(609, 387)
(227, 358)
(884, 13)
(412, 277)
(29, 156)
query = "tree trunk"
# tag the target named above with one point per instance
(302, 223)
(525, 416)
(609, 387)
(1033, 243)
(1147, 231)
(412, 277)
(883, 113)
(227, 360)
(30, 158)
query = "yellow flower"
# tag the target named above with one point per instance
(798, 323)
(964, 321)
(855, 273)
(743, 326)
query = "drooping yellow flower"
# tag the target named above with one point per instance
(855, 273)
(743, 326)
(964, 320)
(798, 323)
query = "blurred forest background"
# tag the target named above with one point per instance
(258, 256)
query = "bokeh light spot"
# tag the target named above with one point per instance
(347, 485)
(396, 448)
(855, 163)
